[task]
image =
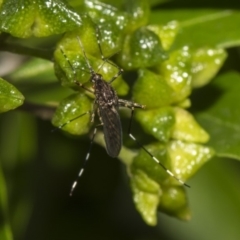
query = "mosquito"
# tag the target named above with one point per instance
(107, 104)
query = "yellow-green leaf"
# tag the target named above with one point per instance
(10, 97)
(39, 18)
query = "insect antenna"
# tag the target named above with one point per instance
(74, 72)
(92, 72)
(104, 59)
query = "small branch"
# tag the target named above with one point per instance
(42, 111)
(33, 52)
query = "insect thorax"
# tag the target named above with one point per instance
(105, 94)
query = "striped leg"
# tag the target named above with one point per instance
(85, 160)
(152, 156)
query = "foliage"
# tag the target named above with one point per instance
(171, 59)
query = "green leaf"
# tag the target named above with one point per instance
(111, 22)
(87, 33)
(36, 69)
(145, 163)
(68, 114)
(139, 12)
(141, 49)
(157, 122)
(10, 97)
(177, 73)
(222, 117)
(152, 90)
(146, 196)
(203, 27)
(38, 18)
(206, 63)
(186, 103)
(174, 202)
(186, 128)
(167, 33)
(187, 158)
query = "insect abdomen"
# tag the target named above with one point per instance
(112, 131)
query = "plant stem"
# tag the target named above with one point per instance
(34, 52)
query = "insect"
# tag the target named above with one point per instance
(107, 104)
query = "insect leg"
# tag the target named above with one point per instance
(73, 119)
(85, 160)
(82, 86)
(129, 104)
(152, 156)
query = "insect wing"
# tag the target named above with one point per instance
(112, 130)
